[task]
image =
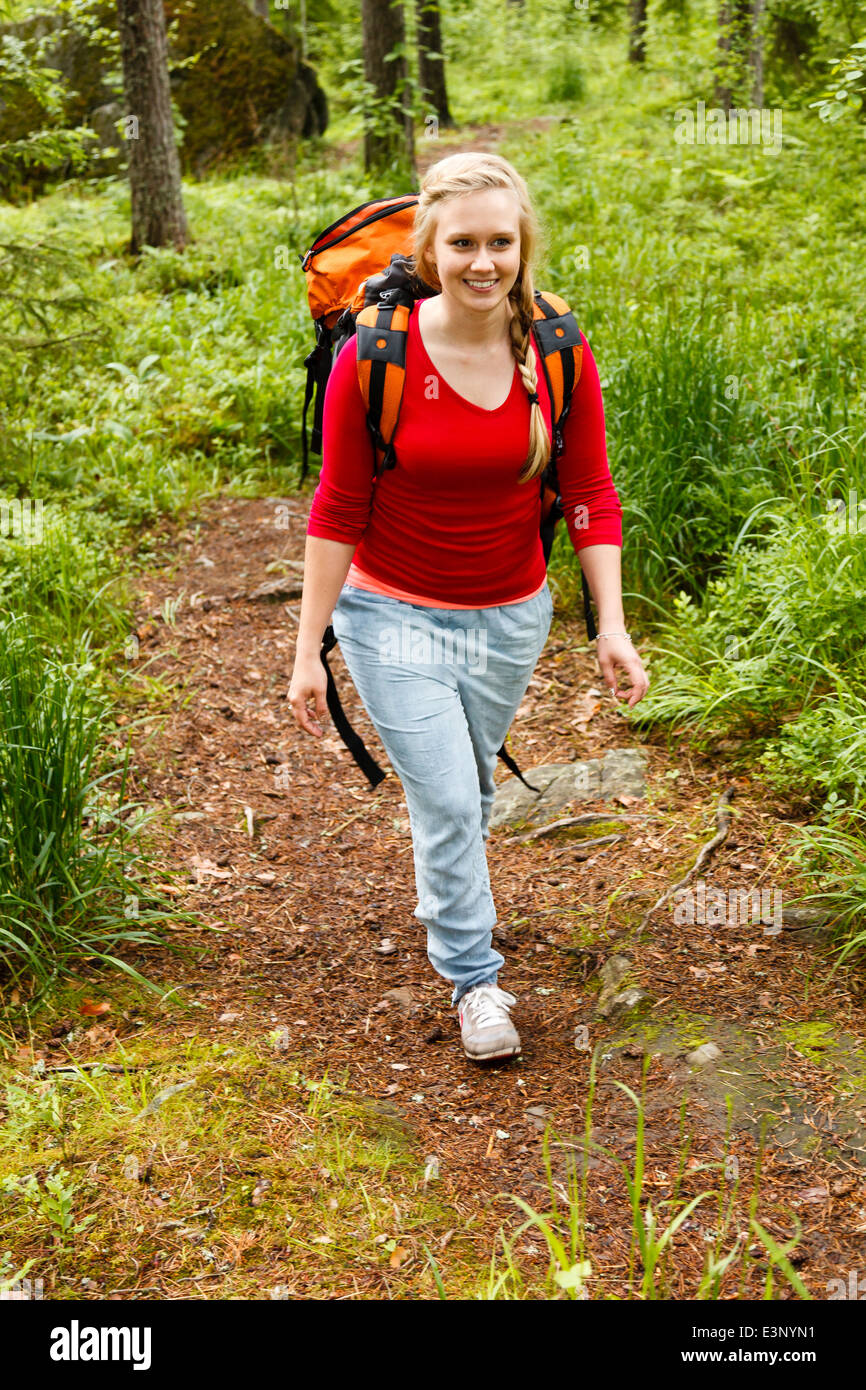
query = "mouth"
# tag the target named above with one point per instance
(481, 286)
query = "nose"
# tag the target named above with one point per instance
(483, 261)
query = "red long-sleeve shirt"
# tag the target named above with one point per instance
(450, 524)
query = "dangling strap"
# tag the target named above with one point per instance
(355, 744)
(591, 629)
(318, 365)
(512, 766)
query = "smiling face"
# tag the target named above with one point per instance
(476, 248)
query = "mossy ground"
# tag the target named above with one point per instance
(253, 1181)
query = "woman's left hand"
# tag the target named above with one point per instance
(618, 651)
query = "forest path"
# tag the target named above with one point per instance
(305, 903)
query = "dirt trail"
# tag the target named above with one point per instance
(304, 902)
(327, 875)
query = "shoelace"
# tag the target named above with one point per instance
(486, 1004)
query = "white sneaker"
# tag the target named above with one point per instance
(485, 1027)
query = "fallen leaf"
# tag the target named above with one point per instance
(331, 745)
(398, 1255)
(842, 1186)
(586, 709)
(92, 1009)
(402, 998)
(259, 1191)
(813, 1194)
(206, 868)
(98, 1034)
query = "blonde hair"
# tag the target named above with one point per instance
(452, 177)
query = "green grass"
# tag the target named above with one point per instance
(224, 1171)
(71, 883)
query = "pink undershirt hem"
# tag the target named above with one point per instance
(359, 579)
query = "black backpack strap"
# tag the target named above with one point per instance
(549, 479)
(512, 767)
(556, 333)
(318, 365)
(382, 332)
(591, 629)
(355, 744)
(557, 338)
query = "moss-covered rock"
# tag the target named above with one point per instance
(246, 87)
(73, 48)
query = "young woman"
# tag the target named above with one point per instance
(435, 573)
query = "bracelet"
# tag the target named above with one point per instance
(613, 634)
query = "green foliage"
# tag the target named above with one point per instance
(68, 855)
(38, 94)
(832, 851)
(846, 94)
(43, 128)
(40, 294)
(53, 1200)
(783, 625)
(565, 79)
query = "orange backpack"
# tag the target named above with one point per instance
(359, 283)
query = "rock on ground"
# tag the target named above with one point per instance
(621, 772)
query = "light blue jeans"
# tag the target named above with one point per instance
(442, 686)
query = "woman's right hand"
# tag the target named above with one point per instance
(309, 682)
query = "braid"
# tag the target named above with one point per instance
(520, 329)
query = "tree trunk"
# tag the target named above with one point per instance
(637, 31)
(740, 50)
(757, 54)
(389, 137)
(792, 43)
(158, 216)
(431, 60)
